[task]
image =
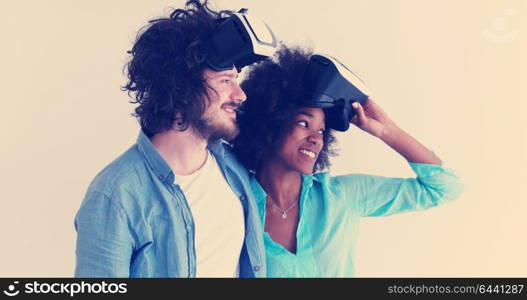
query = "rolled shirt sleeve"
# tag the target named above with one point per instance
(375, 196)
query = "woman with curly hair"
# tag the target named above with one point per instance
(311, 219)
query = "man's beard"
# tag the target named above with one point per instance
(210, 130)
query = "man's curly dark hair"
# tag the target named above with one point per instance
(273, 92)
(166, 68)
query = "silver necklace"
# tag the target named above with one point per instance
(284, 211)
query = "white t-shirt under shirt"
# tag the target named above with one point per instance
(218, 220)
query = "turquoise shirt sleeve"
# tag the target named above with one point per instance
(374, 196)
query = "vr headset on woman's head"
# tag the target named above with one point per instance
(333, 87)
(240, 40)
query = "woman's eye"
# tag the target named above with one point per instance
(302, 123)
(321, 131)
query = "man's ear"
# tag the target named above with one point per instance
(178, 122)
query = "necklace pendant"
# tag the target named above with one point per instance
(284, 215)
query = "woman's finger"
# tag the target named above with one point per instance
(354, 120)
(359, 112)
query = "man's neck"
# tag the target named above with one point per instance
(184, 151)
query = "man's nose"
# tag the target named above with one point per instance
(238, 94)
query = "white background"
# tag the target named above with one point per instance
(451, 73)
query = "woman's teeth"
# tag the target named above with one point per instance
(308, 153)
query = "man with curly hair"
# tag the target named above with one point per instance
(177, 203)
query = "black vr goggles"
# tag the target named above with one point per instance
(333, 87)
(240, 40)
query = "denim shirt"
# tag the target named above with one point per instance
(135, 221)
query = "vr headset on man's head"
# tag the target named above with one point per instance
(333, 87)
(240, 40)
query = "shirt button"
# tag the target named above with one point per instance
(257, 268)
(188, 227)
(160, 177)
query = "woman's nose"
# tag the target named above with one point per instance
(315, 138)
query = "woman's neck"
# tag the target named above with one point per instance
(282, 185)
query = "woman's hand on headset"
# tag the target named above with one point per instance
(371, 118)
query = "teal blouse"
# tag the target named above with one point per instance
(330, 209)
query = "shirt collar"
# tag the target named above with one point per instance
(216, 147)
(260, 194)
(307, 180)
(152, 157)
(159, 165)
(258, 191)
